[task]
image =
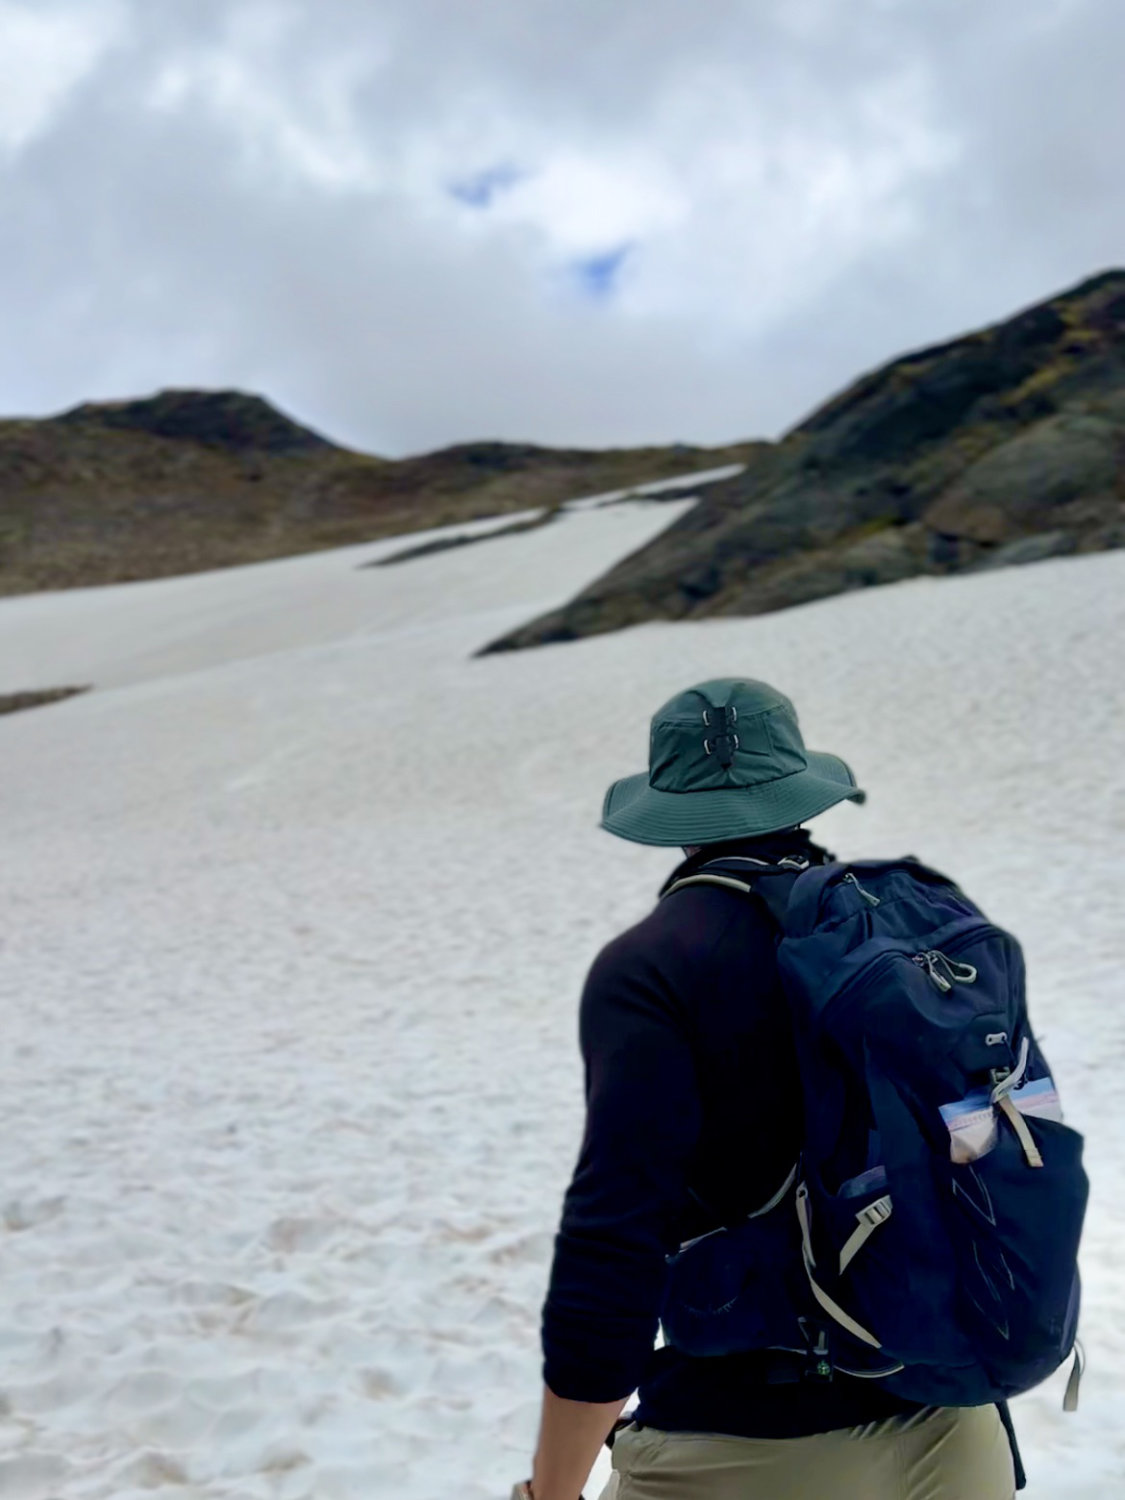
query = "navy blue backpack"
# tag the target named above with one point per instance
(928, 1235)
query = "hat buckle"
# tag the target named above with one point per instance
(728, 739)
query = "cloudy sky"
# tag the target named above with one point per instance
(414, 222)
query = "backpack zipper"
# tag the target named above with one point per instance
(853, 880)
(933, 960)
(963, 939)
(972, 934)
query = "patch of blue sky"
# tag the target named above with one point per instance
(479, 189)
(598, 276)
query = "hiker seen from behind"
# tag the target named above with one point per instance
(824, 1167)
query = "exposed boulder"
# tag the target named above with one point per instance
(1018, 486)
(1004, 446)
(14, 703)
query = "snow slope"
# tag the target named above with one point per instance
(288, 1087)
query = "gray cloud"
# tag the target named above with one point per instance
(418, 221)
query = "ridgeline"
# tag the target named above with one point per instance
(1005, 446)
(190, 480)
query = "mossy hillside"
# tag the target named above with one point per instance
(1007, 445)
(191, 480)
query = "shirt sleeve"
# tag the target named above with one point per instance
(629, 1190)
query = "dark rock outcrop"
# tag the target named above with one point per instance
(14, 703)
(455, 543)
(1006, 446)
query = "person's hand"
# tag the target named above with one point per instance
(522, 1491)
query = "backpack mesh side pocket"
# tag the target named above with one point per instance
(1017, 1231)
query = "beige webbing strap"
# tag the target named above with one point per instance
(867, 1222)
(1070, 1396)
(837, 1313)
(727, 880)
(1019, 1125)
(771, 1203)
(830, 1306)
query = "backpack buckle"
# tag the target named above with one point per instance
(818, 1366)
(876, 1213)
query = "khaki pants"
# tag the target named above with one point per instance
(941, 1453)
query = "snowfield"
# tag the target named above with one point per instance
(295, 910)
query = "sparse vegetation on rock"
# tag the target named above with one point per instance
(190, 480)
(1006, 446)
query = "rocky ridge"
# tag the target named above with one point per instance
(1005, 446)
(189, 480)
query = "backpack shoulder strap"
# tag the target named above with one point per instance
(772, 884)
(703, 878)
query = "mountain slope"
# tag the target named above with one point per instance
(1004, 446)
(297, 911)
(192, 480)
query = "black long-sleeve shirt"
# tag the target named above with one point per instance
(693, 1119)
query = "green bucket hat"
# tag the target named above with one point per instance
(726, 761)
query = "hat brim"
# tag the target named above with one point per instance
(637, 811)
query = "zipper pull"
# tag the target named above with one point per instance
(929, 962)
(960, 973)
(850, 879)
(944, 972)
